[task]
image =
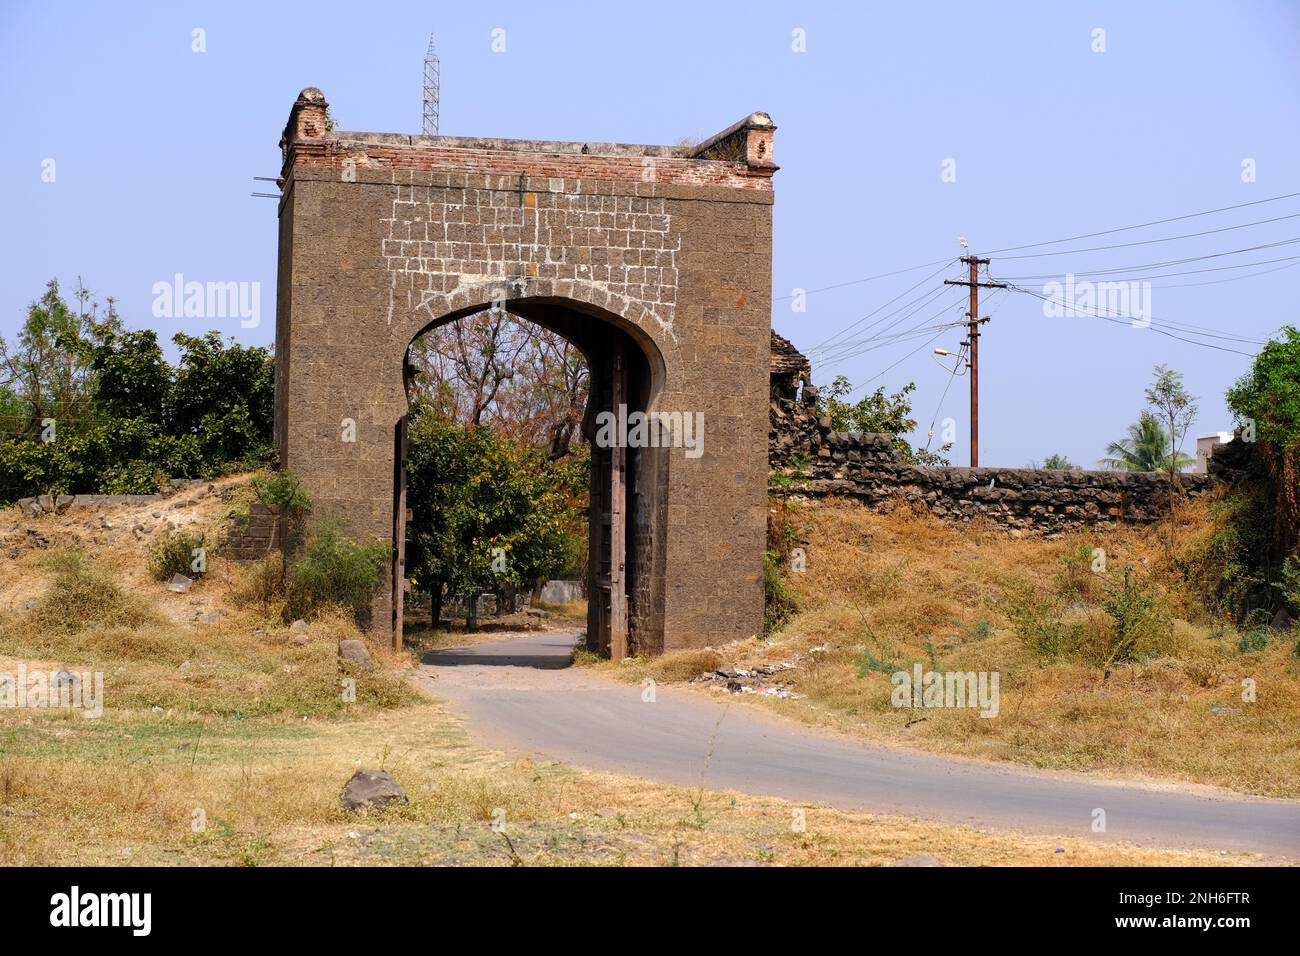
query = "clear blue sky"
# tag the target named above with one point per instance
(155, 147)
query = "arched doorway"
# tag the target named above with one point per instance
(383, 235)
(627, 479)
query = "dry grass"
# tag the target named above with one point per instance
(89, 602)
(885, 591)
(234, 720)
(126, 789)
(569, 611)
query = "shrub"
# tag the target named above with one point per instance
(175, 554)
(1036, 618)
(1255, 639)
(282, 493)
(134, 478)
(1076, 580)
(263, 586)
(778, 601)
(1228, 565)
(82, 596)
(868, 663)
(1140, 623)
(334, 571)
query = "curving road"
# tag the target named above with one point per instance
(519, 693)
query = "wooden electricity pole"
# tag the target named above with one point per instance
(618, 517)
(973, 322)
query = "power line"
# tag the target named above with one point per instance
(1171, 262)
(883, 275)
(1053, 242)
(1142, 225)
(1249, 275)
(1148, 242)
(1187, 327)
(840, 348)
(895, 365)
(893, 340)
(1168, 275)
(833, 346)
(821, 345)
(869, 344)
(1128, 320)
(890, 368)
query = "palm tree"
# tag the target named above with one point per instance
(1146, 448)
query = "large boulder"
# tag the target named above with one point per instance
(356, 652)
(371, 790)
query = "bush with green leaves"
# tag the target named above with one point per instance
(334, 570)
(779, 602)
(123, 419)
(878, 413)
(1140, 623)
(1254, 639)
(487, 512)
(1228, 567)
(1057, 462)
(1249, 566)
(1035, 616)
(178, 552)
(1266, 403)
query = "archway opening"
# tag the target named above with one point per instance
(548, 377)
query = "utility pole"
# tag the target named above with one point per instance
(973, 326)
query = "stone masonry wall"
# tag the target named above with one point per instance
(250, 537)
(867, 468)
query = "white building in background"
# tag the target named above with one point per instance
(1205, 449)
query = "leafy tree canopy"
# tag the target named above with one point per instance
(88, 406)
(1146, 447)
(877, 413)
(487, 511)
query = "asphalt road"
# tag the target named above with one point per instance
(520, 694)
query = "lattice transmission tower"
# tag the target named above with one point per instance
(432, 89)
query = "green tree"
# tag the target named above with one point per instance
(1266, 404)
(1175, 408)
(15, 414)
(133, 380)
(1056, 462)
(877, 413)
(46, 371)
(123, 420)
(224, 396)
(1146, 448)
(487, 512)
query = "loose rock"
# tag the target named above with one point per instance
(356, 652)
(371, 790)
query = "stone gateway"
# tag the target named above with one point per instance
(655, 261)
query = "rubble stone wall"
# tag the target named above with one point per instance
(868, 468)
